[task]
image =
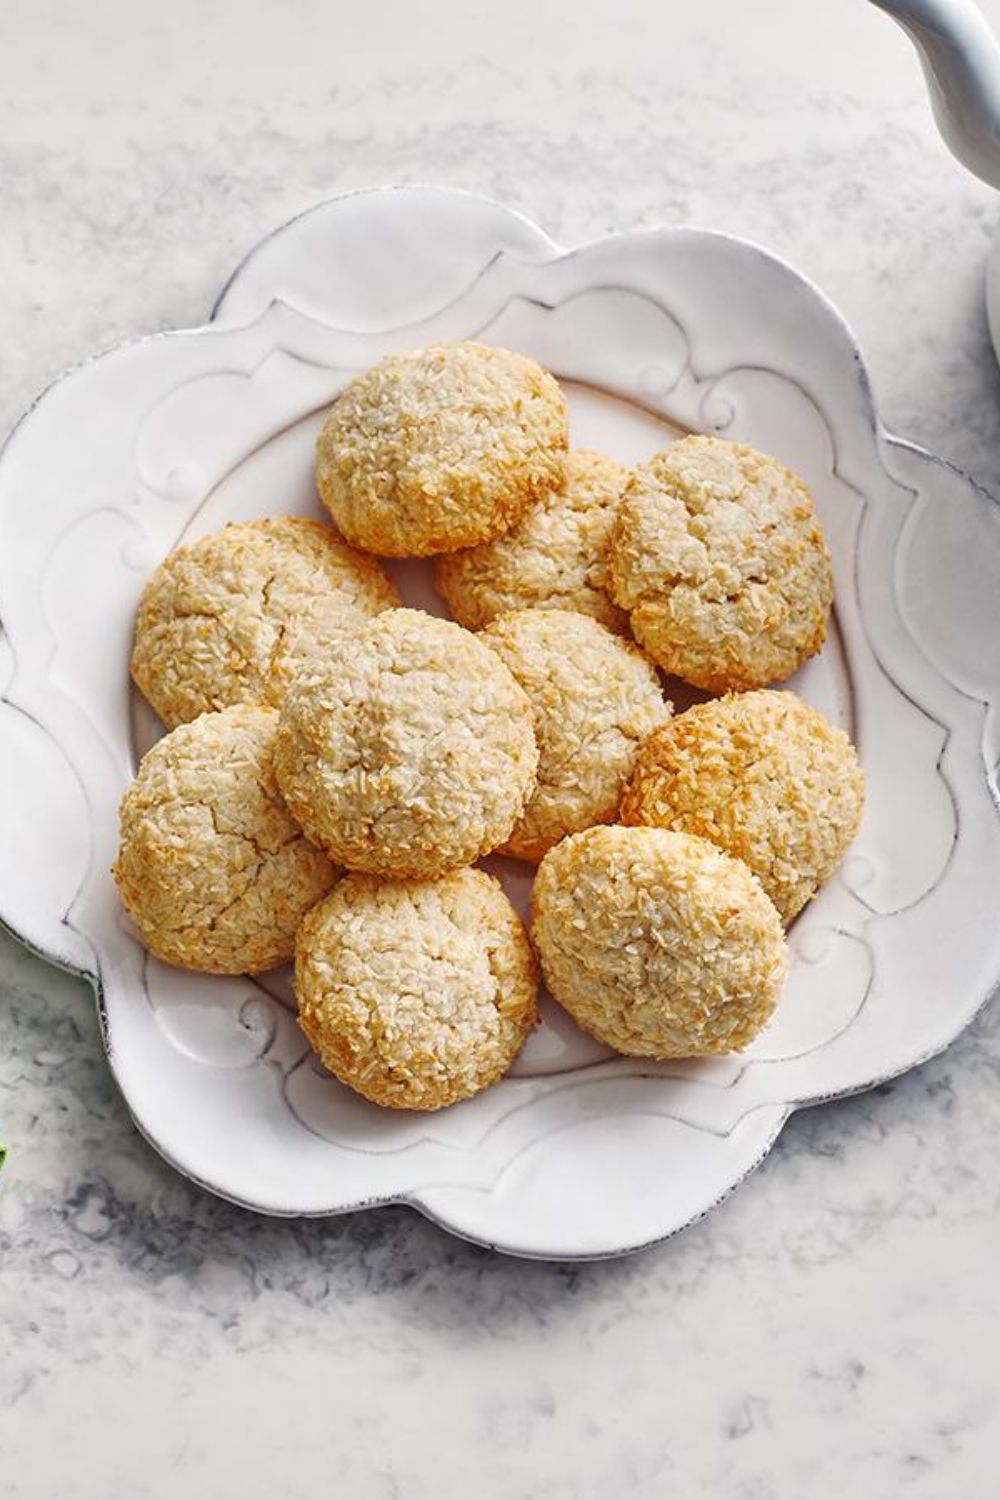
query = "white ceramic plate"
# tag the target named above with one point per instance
(579, 1153)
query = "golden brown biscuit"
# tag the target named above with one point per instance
(416, 993)
(553, 560)
(232, 617)
(410, 751)
(210, 866)
(657, 943)
(441, 448)
(718, 556)
(595, 700)
(763, 776)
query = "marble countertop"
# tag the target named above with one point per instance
(833, 1325)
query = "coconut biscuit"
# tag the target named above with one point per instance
(718, 556)
(441, 448)
(416, 993)
(763, 776)
(210, 866)
(595, 699)
(553, 560)
(657, 943)
(409, 751)
(232, 617)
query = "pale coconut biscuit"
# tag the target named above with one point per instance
(595, 700)
(718, 555)
(763, 776)
(210, 866)
(553, 560)
(657, 943)
(232, 617)
(442, 448)
(416, 993)
(410, 751)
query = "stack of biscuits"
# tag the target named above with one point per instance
(337, 764)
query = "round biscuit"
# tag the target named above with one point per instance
(416, 993)
(211, 868)
(762, 775)
(657, 943)
(553, 560)
(232, 617)
(409, 751)
(441, 448)
(595, 699)
(718, 556)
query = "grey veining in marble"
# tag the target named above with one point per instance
(834, 1324)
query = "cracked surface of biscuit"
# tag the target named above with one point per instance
(411, 751)
(416, 993)
(595, 699)
(553, 560)
(762, 775)
(657, 943)
(441, 448)
(232, 617)
(210, 866)
(718, 556)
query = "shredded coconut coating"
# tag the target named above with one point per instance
(409, 751)
(416, 994)
(718, 555)
(441, 448)
(233, 617)
(553, 560)
(210, 866)
(763, 776)
(595, 700)
(657, 943)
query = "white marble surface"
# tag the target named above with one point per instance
(834, 1323)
